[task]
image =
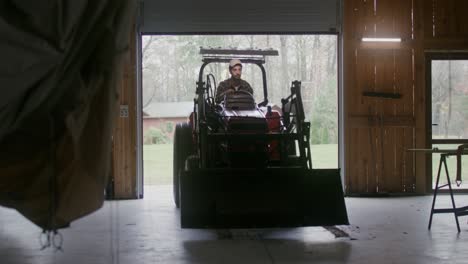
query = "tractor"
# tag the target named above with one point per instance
(247, 164)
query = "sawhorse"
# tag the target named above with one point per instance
(457, 211)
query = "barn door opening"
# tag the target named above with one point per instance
(170, 65)
(448, 84)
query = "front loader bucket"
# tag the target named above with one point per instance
(261, 198)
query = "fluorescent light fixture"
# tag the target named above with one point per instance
(381, 39)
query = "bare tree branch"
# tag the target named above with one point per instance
(153, 95)
(147, 45)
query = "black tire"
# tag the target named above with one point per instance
(183, 147)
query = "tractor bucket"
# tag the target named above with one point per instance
(261, 198)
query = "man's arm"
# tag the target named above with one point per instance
(222, 90)
(247, 87)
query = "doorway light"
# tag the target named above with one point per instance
(381, 39)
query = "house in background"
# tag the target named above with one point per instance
(164, 116)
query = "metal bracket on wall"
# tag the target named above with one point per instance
(123, 110)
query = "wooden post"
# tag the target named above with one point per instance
(124, 138)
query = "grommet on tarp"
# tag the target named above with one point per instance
(57, 241)
(51, 238)
(44, 239)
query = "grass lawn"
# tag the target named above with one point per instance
(157, 164)
(451, 166)
(324, 156)
(157, 161)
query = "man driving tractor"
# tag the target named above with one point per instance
(235, 83)
(245, 165)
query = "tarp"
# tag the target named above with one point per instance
(60, 70)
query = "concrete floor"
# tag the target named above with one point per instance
(383, 230)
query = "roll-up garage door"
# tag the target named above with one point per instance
(240, 16)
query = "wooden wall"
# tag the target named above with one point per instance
(450, 20)
(125, 138)
(378, 131)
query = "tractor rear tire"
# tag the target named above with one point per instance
(183, 147)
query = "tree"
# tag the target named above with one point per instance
(171, 64)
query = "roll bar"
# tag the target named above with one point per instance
(249, 56)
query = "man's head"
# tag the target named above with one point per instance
(235, 68)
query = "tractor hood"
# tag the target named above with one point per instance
(245, 121)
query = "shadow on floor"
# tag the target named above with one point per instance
(242, 247)
(274, 251)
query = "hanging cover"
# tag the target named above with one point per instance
(60, 71)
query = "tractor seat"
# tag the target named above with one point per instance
(239, 100)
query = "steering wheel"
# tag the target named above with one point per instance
(240, 92)
(210, 93)
(239, 99)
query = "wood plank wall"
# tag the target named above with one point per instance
(450, 20)
(124, 139)
(378, 131)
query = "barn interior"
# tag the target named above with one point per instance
(71, 137)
